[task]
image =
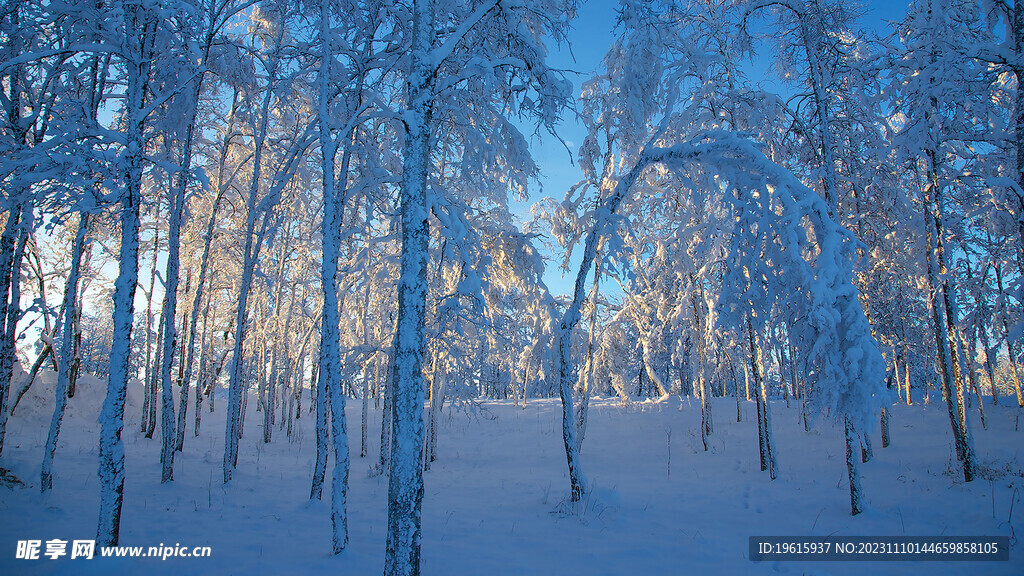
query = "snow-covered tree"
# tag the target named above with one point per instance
(787, 260)
(940, 102)
(496, 50)
(140, 25)
(271, 169)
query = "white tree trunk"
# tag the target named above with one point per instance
(170, 335)
(148, 395)
(66, 353)
(405, 486)
(18, 226)
(365, 409)
(140, 27)
(329, 385)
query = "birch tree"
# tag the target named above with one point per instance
(141, 26)
(931, 141)
(501, 45)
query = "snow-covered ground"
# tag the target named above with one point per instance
(495, 500)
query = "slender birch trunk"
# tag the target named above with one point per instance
(736, 390)
(66, 352)
(233, 426)
(853, 469)
(755, 369)
(942, 324)
(405, 486)
(18, 226)
(140, 25)
(886, 438)
(148, 409)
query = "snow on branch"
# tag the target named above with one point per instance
(791, 263)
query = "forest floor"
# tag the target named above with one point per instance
(496, 498)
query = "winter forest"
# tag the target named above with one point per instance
(499, 286)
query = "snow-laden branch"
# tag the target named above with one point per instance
(781, 211)
(64, 51)
(438, 55)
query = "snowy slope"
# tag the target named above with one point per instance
(496, 498)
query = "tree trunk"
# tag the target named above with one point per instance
(434, 408)
(250, 253)
(153, 382)
(764, 407)
(76, 358)
(148, 410)
(971, 354)
(989, 370)
(405, 486)
(588, 368)
(178, 202)
(270, 394)
(329, 385)
(169, 341)
(705, 403)
(735, 389)
(886, 440)
(384, 462)
(756, 371)
(365, 409)
(140, 28)
(769, 441)
(867, 453)
(940, 307)
(853, 470)
(179, 429)
(906, 371)
(10, 277)
(197, 299)
(204, 387)
(66, 353)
